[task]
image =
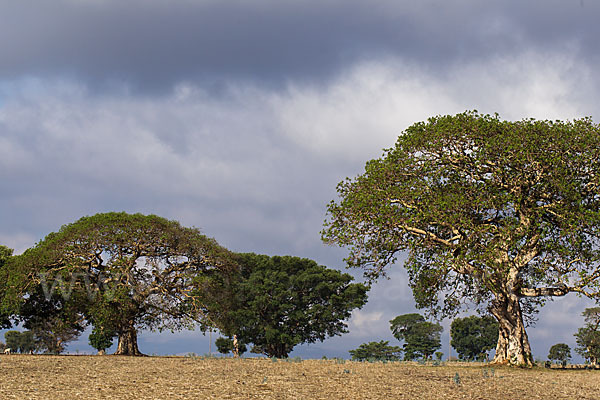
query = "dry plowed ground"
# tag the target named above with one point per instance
(112, 377)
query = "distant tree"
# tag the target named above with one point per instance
(13, 340)
(23, 342)
(136, 270)
(474, 336)
(559, 352)
(276, 303)
(100, 338)
(226, 346)
(376, 351)
(5, 255)
(421, 338)
(588, 337)
(27, 342)
(588, 344)
(502, 214)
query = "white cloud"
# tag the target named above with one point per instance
(362, 112)
(365, 110)
(366, 324)
(252, 166)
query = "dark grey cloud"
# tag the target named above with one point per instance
(152, 45)
(308, 91)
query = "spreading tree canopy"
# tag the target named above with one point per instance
(127, 272)
(497, 213)
(376, 351)
(559, 352)
(278, 302)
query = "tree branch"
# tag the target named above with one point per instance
(548, 291)
(431, 236)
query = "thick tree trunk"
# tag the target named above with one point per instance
(277, 350)
(593, 360)
(513, 344)
(128, 343)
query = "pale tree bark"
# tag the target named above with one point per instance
(513, 343)
(593, 359)
(236, 347)
(128, 342)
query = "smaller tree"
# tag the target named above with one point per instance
(23, 342)
(101, 339)
(474, 336)
(13, 340)
(588, 337)
(226, 346)
(421, 338)
(376, 351)
(560, 352)
(27, 342)
(276, 303)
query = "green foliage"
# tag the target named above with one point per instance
(279, 302)
(5, 256)
(456, 378)
(588, 336)
(101, 338)
(121, 271)
(23, 342)
(13, 340)
(376, 351)
(559, 352)
(27, 342)
(474, 336)
(421, 338)
(55, 320)
(225, 346)
(489, 211)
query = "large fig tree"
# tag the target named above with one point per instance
(495, 213)
(127, 272)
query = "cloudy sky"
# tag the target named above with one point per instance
(240, 116)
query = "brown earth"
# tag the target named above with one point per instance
(114, 377)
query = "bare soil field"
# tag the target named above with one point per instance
(113, 377)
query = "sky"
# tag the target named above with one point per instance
(240, 117)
